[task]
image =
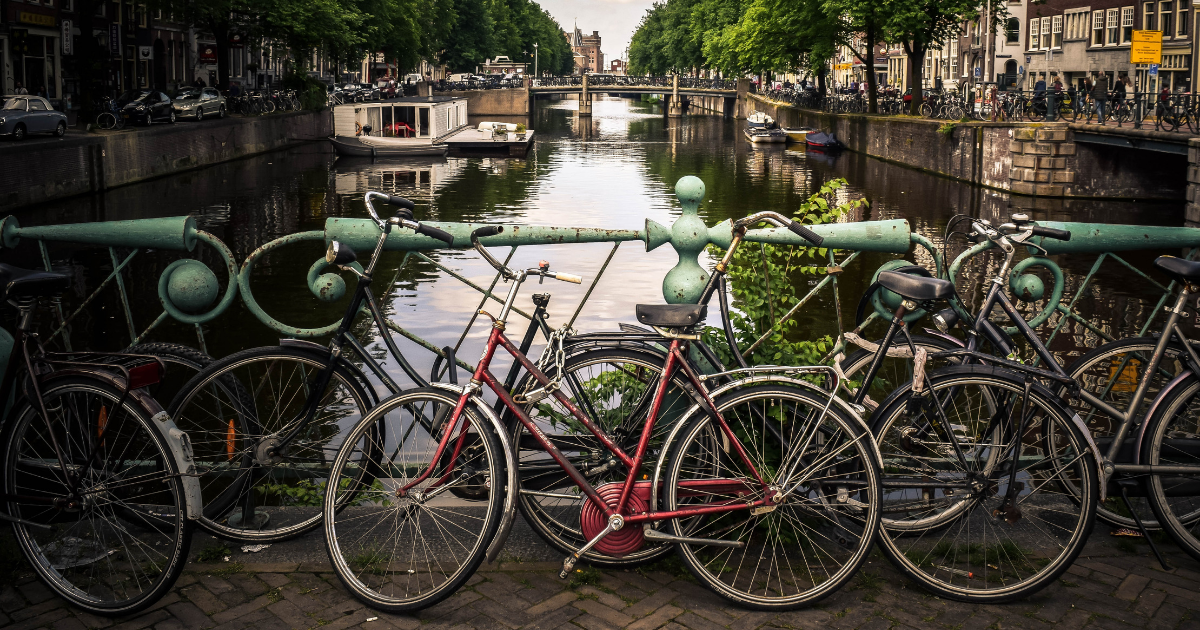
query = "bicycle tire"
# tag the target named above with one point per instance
(1168, 439)
(92, 555)
(363, 553)
(1104, 373)
(827, 527)
(106, 121)
(556, 519)
(234, 414)
(936, 556)
(926, 110)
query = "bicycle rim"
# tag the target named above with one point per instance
(405, 553)
(968, 548)
(822, 465)
(122, 547)
(1171, 439)
(238, 411)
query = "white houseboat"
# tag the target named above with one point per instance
(398, 126)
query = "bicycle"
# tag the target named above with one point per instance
(96, 478)
(265, 422)
(110, 119)
(712, 506)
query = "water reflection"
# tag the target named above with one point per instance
(614, 170)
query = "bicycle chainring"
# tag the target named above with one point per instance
(592, 521)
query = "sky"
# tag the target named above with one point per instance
(615, 19)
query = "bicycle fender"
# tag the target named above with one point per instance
(510, 499)
(1176, 383)
(1087, 435)
(185, 465)
(932, 332)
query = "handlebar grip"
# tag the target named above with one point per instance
(432, 232)
(569, 277)
(1061, 235)
(798, 229)
(487, 230)
(401, 202)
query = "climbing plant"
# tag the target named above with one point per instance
(767, 281)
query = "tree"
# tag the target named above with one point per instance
(923, 25)
(858, 29)
(471, 40)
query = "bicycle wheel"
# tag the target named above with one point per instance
(894, 371)
(1171, 439)
(808, 544)
(615, 388)
(404, 553)
(238, 411)
(1112, 372)
(1036, 111)
(106, 121)
(119, 547)
(926, 110)
(959, 540)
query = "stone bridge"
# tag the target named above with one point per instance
(714, 94)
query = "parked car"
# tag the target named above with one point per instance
(198, 103)
(369, 92)
(387, 87)
(907, 98)
(143, 107)
(23, 115)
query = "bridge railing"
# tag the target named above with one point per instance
(666, 82)
(190, 292)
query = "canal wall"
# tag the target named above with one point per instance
(1036, 159)
(36, 172)
(511, 102)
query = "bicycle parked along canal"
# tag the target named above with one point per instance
(97, 480)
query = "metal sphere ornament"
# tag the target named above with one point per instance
(192, 287)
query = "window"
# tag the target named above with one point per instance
(1165, 11)
(1056, 30)
(1097, 28)
(1033, 34)
(1181, 22)
(953, 58)
(1126, 25)
(1012, 31)
(1114, 31)
(1045, 33)
(68, 5)
(1148, 21)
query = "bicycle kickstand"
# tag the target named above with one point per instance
(1123, 484)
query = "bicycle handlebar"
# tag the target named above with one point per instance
(1061, 235)
(432, 232)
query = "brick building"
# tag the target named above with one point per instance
(586, 48)
(618, 66)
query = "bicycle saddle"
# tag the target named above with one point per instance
(1178, 268)
(916, 287)
(17, 282)
(671, 315)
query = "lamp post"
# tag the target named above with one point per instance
(535, 59)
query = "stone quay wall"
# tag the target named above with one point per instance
(1035, 159)
(37, 172)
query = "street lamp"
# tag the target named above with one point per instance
(535, 59)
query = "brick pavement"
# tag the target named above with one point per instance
(1114, 585)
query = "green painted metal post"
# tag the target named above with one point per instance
(689, 236)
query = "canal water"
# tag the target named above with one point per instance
(613, 171)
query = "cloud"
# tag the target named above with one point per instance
(616, 20)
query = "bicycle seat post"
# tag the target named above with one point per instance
(25, 307)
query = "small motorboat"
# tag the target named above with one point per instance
(766, 136)
(797, 134)
(822, 140)
(759, 120)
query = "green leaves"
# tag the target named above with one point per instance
(768, 280)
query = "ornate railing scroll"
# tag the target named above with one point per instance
(187, 289)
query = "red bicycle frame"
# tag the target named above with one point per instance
(675, 361)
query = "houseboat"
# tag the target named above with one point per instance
(397, 127)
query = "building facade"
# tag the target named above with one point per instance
(618, 67)
(586, 48)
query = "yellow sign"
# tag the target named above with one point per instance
(841, 66)
(36, 18)
(1146, 47)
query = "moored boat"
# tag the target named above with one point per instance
(822, 140)
(797, 134)
(759, 120)
(766, 136)
(398, 126)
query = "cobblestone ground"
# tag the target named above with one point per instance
(1115, 584)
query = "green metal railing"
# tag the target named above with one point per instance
(190, 291)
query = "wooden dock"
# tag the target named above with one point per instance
(472, 141)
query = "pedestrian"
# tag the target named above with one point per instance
(1058, 88)
(1119, 91)
(20, 89)
(1039, 88)
(1100, 95)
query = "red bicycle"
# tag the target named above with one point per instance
(768, 486)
